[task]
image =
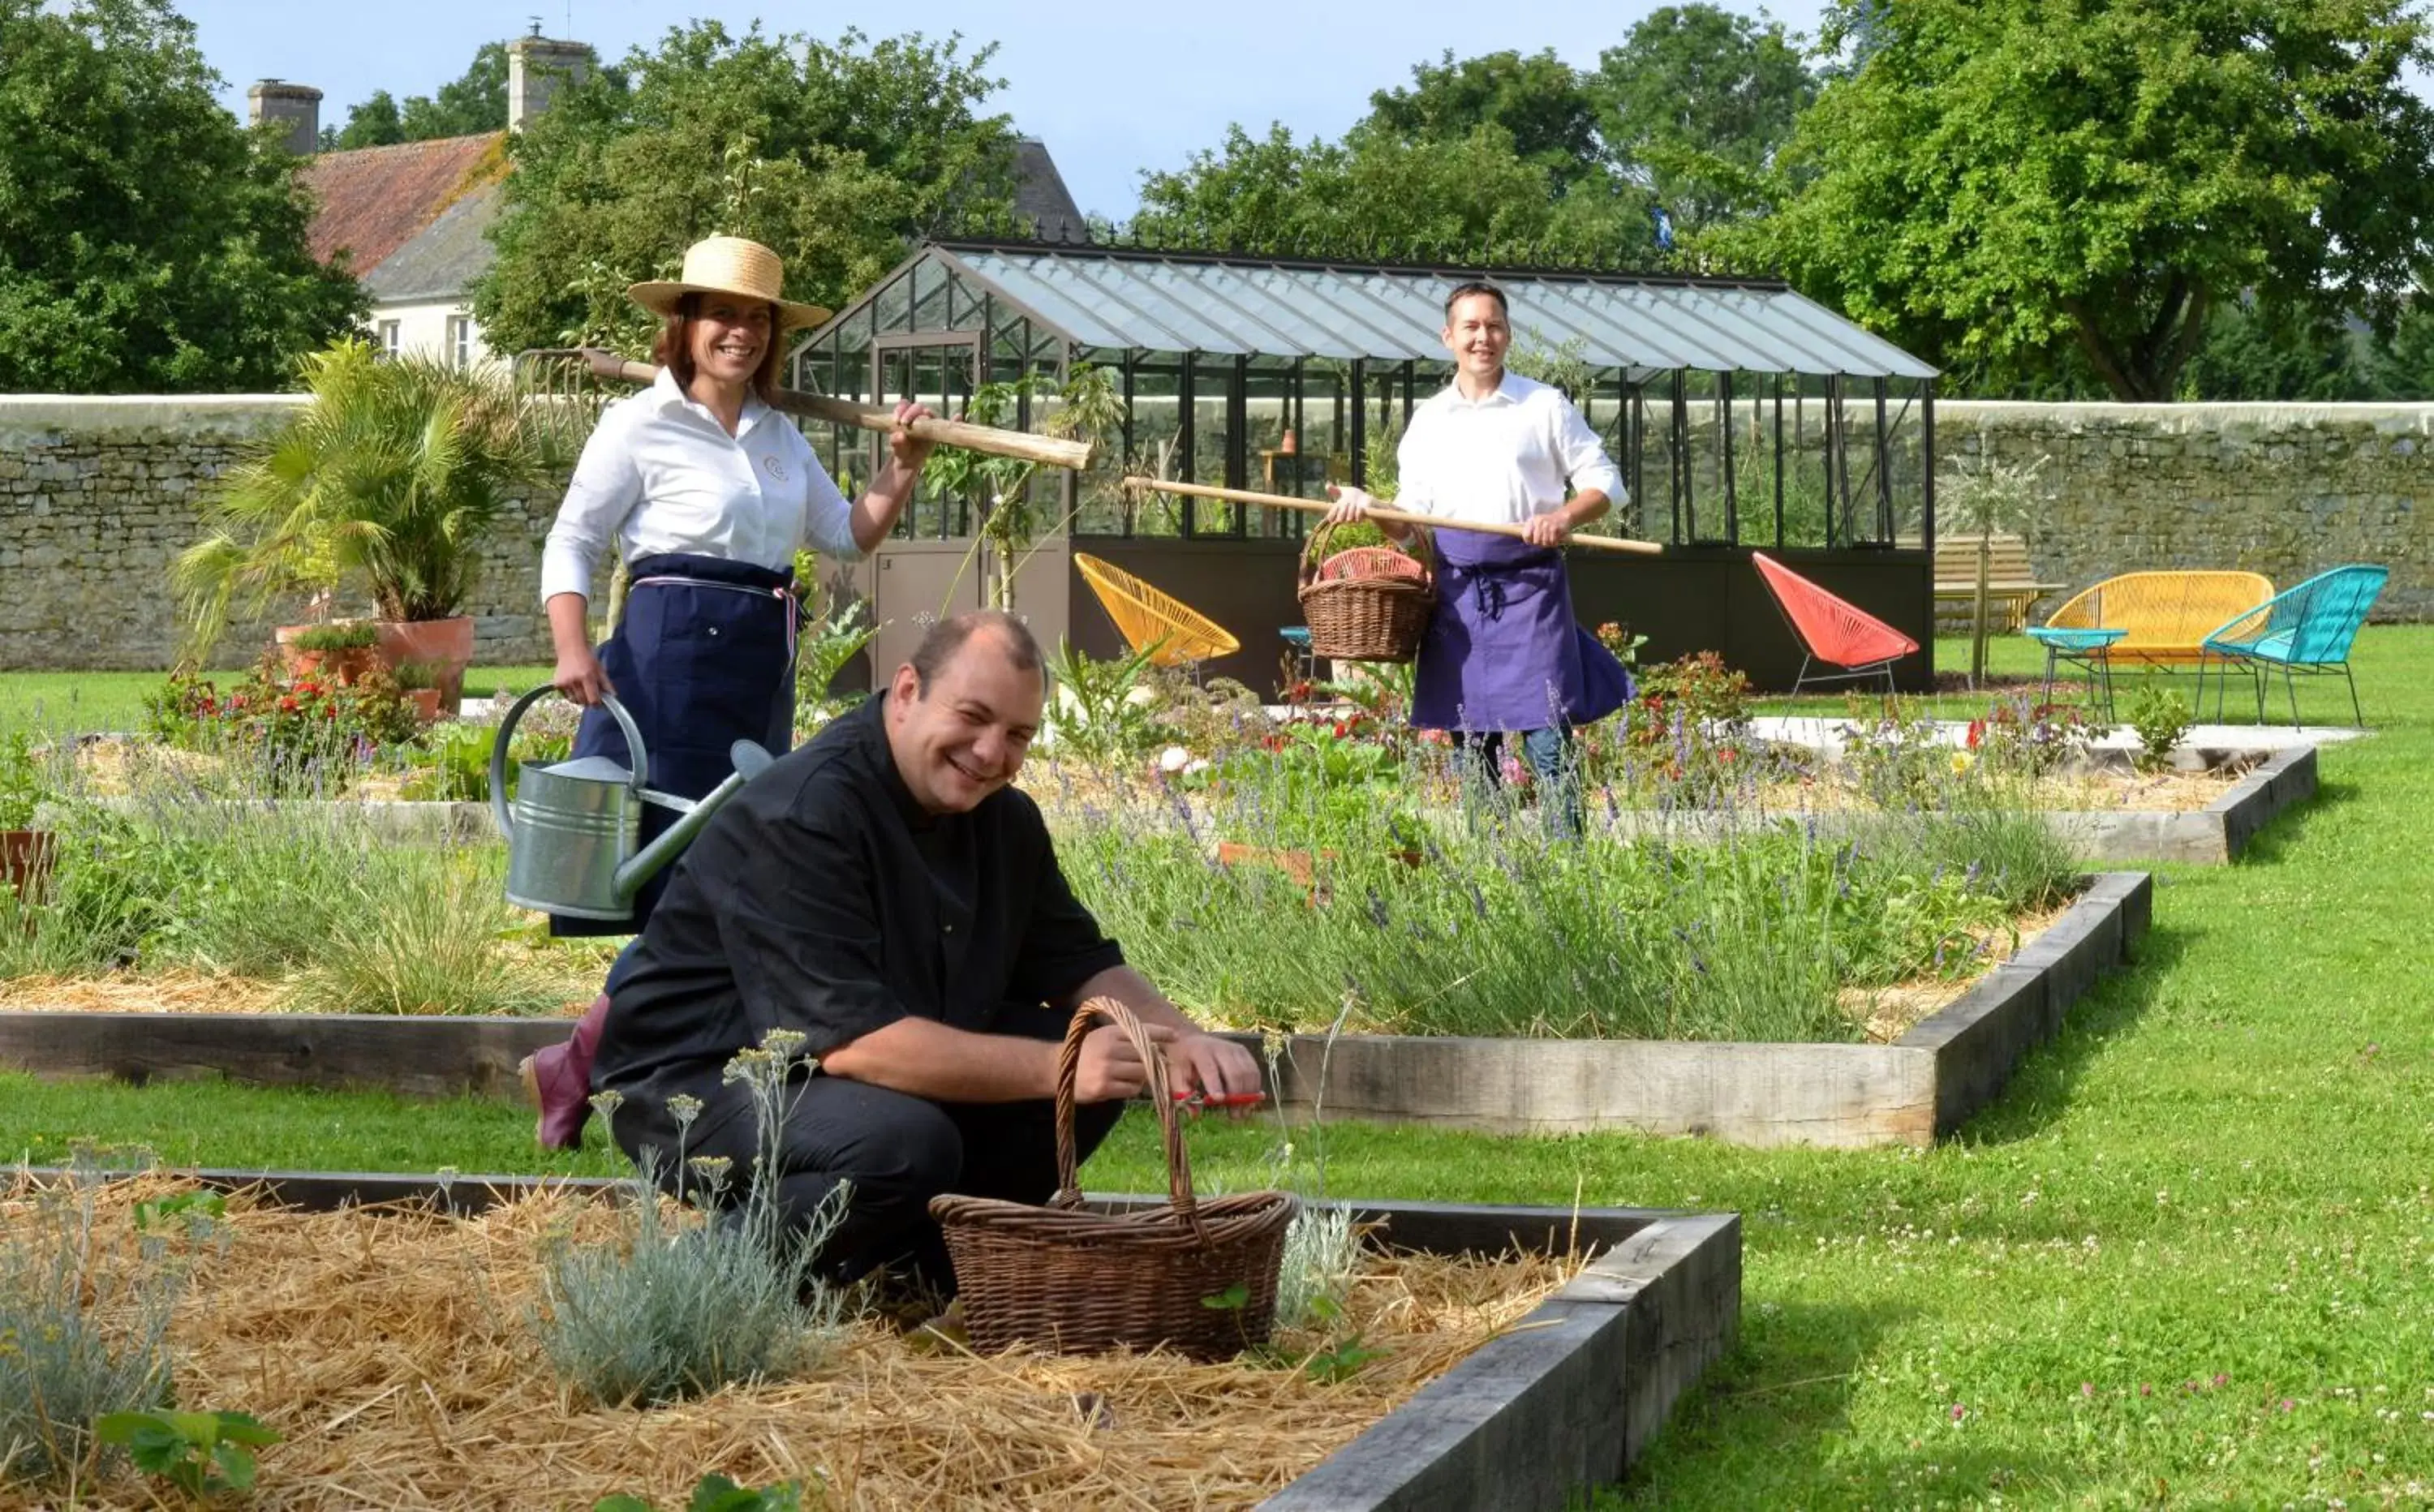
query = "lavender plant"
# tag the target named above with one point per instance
(678, 1309)
(83, 1324)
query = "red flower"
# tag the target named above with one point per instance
(329, 711)
(1977, 733)
(287, 706)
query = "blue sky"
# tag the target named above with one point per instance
(1113, 88)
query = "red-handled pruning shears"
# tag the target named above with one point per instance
(1197, 1100)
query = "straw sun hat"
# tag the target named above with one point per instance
(728, 264)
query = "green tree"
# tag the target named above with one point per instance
(834, 154)
(2250, 353)
(147, 242)
(473, 102)
(373, 124)
(1538, 101)
(1997, 182)
(2402, 365)
(1468, 198)
(1696, 103)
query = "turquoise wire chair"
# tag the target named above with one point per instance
(2306, 629)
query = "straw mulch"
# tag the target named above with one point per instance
(170, 992)
(174, 992)
(389, 1349)
(1886, 1014)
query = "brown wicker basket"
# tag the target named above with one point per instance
(1371, 616)
(1072, 1281)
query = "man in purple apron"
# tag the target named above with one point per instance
(1503, 655)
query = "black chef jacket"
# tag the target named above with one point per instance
(822, 898)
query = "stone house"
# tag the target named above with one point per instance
(413, 217)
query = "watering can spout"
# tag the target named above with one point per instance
(750, 761)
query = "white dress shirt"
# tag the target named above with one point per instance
(1502, 459)
(660, 474)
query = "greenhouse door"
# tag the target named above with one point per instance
(932, 566)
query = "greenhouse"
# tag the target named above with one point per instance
(1742, 415)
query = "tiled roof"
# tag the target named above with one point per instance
(443, 260)
(1041, 197)
(372, 199)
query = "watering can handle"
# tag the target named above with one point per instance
(634, 748)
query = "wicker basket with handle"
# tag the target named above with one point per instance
(1369, 603)
(1063, 1279)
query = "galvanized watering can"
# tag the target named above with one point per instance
(572, 827)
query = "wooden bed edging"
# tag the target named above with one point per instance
(1912, 1091)
(1565, 1399)
(2212, 835)
(1922, 1086)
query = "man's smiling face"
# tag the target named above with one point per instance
(965, 736)
(1478, 333)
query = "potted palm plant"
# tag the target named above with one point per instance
(390, 483)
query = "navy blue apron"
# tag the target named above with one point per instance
(703, 657)
(1502, 652)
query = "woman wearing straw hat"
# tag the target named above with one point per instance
(710, 493)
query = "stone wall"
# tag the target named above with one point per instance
(98, 496)
(2283, 489)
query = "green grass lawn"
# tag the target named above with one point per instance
(2188, 1259)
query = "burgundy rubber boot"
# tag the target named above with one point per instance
(558, 1080)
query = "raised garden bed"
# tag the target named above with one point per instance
(1564, 1398)
(2211, 833)
(1922, 1085)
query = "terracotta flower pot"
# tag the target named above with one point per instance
(446, 646)
(425, 702)
(26, 858)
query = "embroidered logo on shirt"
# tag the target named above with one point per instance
(777, 468)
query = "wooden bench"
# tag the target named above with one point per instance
(2012, 582)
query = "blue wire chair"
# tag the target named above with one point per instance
(2306, 629)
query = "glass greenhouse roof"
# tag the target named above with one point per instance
(1125, 298)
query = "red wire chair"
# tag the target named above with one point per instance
(1832, 631)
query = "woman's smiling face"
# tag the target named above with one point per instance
(729, 335)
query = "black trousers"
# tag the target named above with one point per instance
(894, 1150)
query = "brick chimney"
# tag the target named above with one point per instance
(538, 68)
(295, 106)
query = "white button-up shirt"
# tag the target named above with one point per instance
(660, 474)
(1502, 459)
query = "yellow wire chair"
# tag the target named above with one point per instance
(1173, 632)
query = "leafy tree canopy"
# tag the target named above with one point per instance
(1996, 183)
(834, 154)
(149, 244)
(375, 123)
(475, 102)
(1538, 101)
(1468, 198)
(1696, 103)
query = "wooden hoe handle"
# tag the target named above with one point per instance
(1393, 517)
(1046, 450)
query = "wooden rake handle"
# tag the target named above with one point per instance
(1047, 450)
(1393, 517)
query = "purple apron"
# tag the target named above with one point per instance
(1502, 651)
